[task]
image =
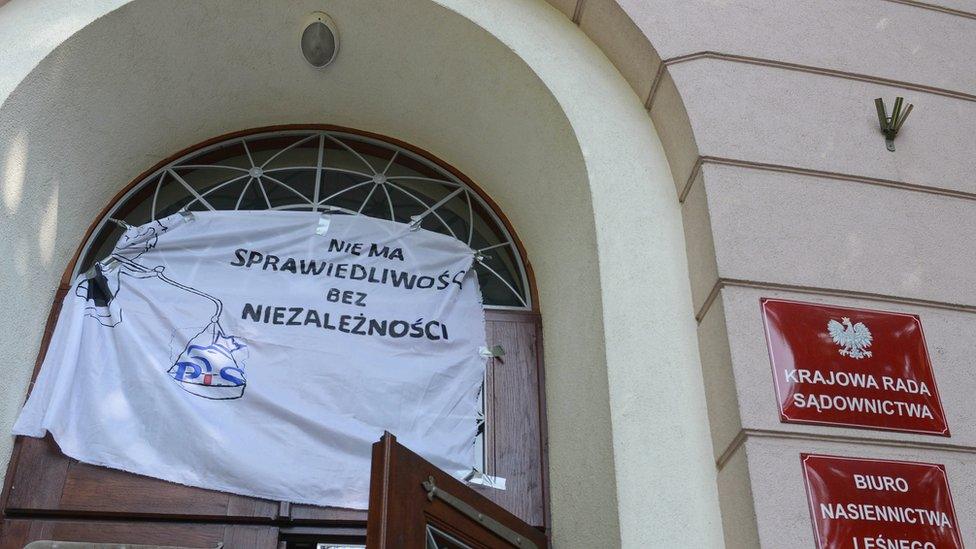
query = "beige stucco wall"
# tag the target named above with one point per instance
(511, 93)
(766, 112)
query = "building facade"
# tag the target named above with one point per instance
(657, 168)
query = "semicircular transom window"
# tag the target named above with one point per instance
(324, 170)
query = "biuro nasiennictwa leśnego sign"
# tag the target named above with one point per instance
(879, 504)
(851, 368)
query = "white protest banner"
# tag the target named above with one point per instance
(262, 353)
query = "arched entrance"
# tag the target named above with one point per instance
(318, 168)
(560, 142)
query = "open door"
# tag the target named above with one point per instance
(415, 505)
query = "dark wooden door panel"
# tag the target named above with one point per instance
(47, 480)
(19, 532)
(36, 476)
(85, 487)
(312, 513)
(513, 441)
(407, 494)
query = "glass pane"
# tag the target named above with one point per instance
(230, 153)
(171, 197)
(263, 148)
(498, 277)
(288, 188)
(301, 151)
(437, 539)
(252, 196)
(226, 195)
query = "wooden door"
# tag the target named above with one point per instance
(415, 505)
(19, 532)
(43, 484)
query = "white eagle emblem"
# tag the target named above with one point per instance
(854, 339)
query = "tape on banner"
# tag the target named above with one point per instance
(324, 222)
(493, 351)
(475, 476)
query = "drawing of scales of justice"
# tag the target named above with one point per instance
(210, 363)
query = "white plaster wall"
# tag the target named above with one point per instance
(794, 118)
(530, 109)
(766, 112)
(870, 37)
(29, 30)
(854, 237)
(660, 427)
(787, 185)
(780, 497)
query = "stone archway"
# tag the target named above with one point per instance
(561, 143)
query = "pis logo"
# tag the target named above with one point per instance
(212, 366)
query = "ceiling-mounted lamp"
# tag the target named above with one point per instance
(320, 40)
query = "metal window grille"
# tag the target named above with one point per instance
(320, 170)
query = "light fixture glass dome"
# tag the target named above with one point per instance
(320, 42)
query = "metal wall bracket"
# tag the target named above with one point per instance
(489, 523)
(891, 124)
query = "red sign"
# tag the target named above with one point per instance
(875, 504)
(851, 367)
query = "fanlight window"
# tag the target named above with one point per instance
(327, 171)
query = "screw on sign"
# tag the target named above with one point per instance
(879, 504)
(852, 368)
